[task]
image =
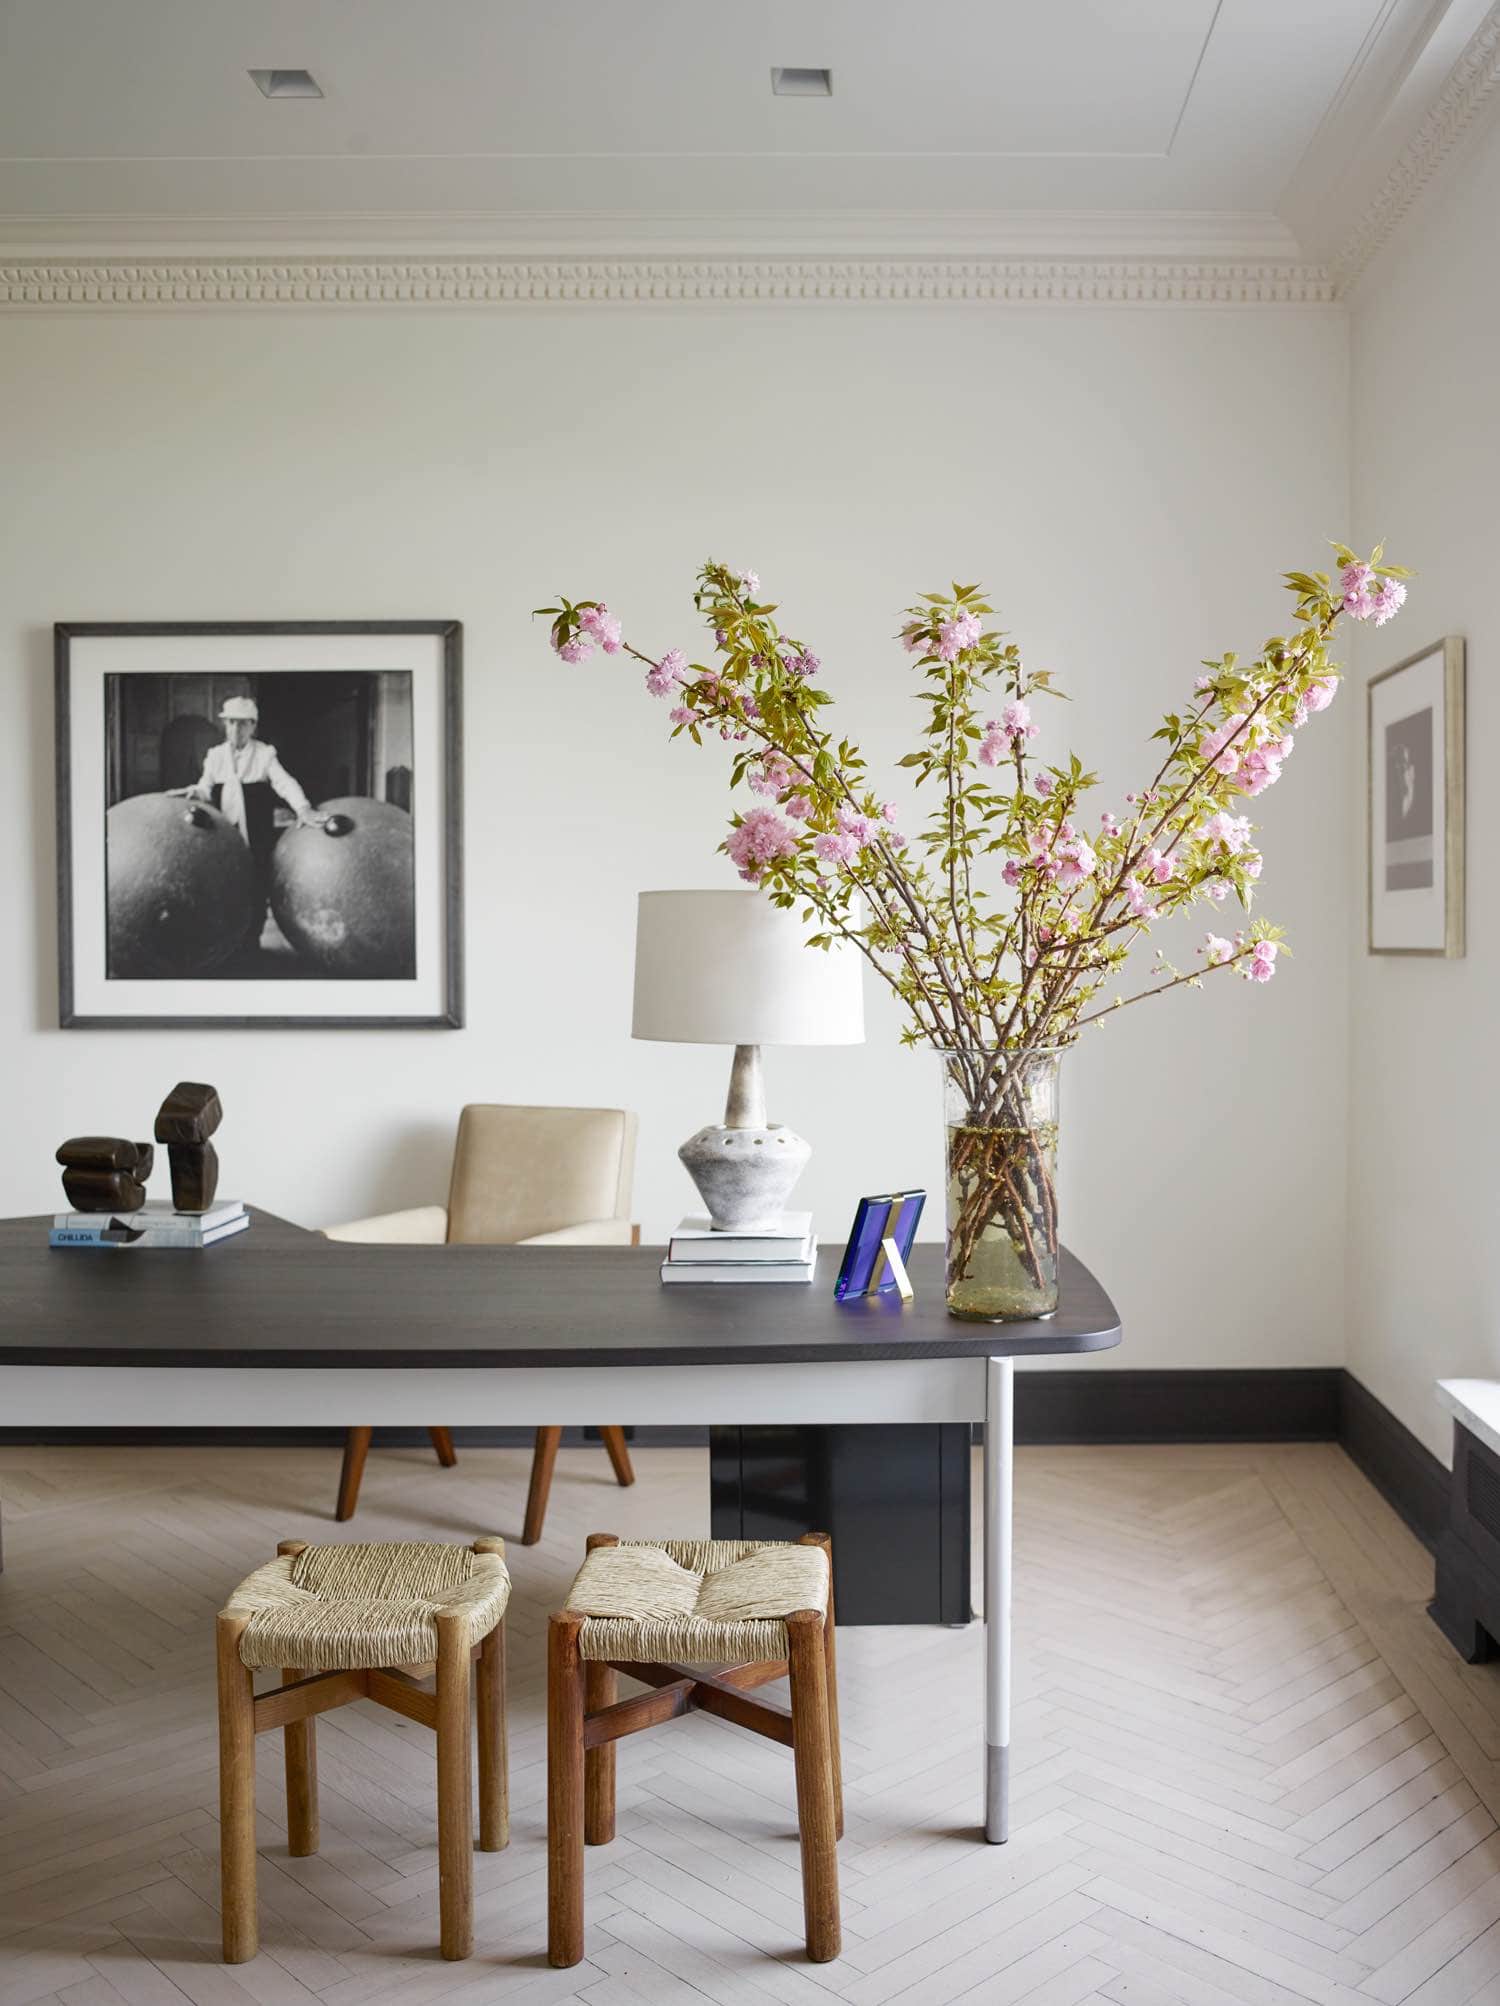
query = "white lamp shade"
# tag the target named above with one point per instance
(730, 968)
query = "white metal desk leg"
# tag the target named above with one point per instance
(999, 1464)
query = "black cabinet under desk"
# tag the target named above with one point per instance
(894, 1500)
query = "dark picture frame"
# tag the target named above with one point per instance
(1415, 804)
(443, 984)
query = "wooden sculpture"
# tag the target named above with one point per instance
(187, 1118)
(105, 1173)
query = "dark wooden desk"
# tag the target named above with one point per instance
(282, 1328)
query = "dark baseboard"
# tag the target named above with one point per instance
(1292, 1404)
(1404, 1470)
(1234, 1405)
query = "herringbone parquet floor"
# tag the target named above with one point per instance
(1248, 1771)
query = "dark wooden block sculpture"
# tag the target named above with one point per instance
(105, 1173)
(187, 1118)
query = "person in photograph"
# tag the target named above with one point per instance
(239, 778)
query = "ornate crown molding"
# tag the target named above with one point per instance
(513, 281)
(1468, 90)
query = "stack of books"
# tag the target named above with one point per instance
(787, 1253)
(155, 1224)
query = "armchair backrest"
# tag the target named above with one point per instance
(524, 1170)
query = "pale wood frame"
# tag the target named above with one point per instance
(1453, 946)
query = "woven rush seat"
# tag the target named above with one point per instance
(365, 1607)
(694, 1601)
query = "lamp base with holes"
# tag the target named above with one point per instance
(745, 1175)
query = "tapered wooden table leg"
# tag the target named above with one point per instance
(442, 1442)
(619, 1455)
(543, 1458)
(455, 1786)
(807, 1665)
(564, 1791)
(356, 1448)
(835, 1754)
(494, 1760)
(236, 1794)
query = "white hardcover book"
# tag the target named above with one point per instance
(185, 1238)
(156, 1212)
(741, 1271)
(696, 1240)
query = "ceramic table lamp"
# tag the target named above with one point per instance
(730, 968)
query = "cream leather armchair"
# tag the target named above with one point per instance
(528, 1177)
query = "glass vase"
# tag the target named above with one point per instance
(1000, 1113)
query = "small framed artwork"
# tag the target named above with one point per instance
(880, 1244)
(1416, 804)
(259, 824)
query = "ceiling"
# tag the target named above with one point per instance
(1242, 120)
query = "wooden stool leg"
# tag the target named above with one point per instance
(834, 1751)
(442, 1442)
(494, 1758)
(455, 1788)
(356, 1448)
(236, 1794)
(601, 1688)
(300, 1742)
(619, 1456)
(807, 1665)
(543, 1458)
(564, 1791)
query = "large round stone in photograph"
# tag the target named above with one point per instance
(342, 891)
(178, 880)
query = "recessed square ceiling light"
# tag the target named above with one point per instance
(791, 83)
(286, 83)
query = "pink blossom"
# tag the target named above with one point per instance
(1354, 579)
(1262, 964)
(1217, 889)
(664, 676)
(1319, 695)
(799, 805)
(1015, 718)
(1387, 600)
(1217, 949)
(683, 714)
(954, 635)
(762, 838)
(1158, 867)
(772, 776)
(1252, 863)
(993, 750)
(887, 811)
(1216, 748)
(1259, 769)
(602, 626)
(1204, 683)
(913, 637)
(1074, 861)
(1012, 872)
(1043, 785)
(1108, 824)
(836, 847)
(749, 580)
(1135, 898)
(576, 650)
(1232, 832)
(856, 826)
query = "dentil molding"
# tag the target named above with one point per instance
(112, 284)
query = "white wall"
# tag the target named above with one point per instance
(1425, 1065)
(1131, 483)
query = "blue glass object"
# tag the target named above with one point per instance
(894, 1215)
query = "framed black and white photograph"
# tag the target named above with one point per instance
(1416, 795)
(259, 824)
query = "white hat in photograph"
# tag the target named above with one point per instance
(240, 707)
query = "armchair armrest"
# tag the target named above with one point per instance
(422, 1226)
(588, 1233)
